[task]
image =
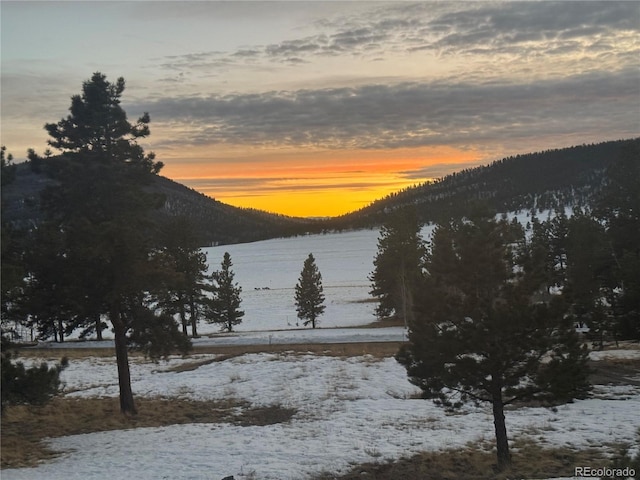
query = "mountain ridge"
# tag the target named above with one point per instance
(540, 180)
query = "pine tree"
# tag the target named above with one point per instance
(479, 336)
(184, 294)
(32, 385)
(12, 239)
(309, 296)
(102, 211)
(397, 265)
(7, 168)
(618, 207)
(224, 307)
(590, 284)
(48, 298)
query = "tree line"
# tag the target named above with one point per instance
(492, 305)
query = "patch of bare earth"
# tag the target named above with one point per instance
(615, 371)
(24, 427)
(476, 463)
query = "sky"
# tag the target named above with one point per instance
(319, 108)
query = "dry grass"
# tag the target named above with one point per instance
(615, 371)
(376, 349)
(342, 350)
(476, 463)
(56, 354)
(24, 428)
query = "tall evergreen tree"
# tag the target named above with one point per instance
(479, 336)
(537, 260)
(309, 297)
(397, 265)
(619, 208)
(48, 298)
(557, 233)
(590, 284)
(224, 307)
(11, 254)
(185, 295)
(100, 206)
(7, 168)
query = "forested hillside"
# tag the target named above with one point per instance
(214, 222)
(220, 223)
(542, 180)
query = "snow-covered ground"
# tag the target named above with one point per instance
(268, 271)
(349, 410)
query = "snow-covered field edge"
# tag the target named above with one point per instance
(349, 411)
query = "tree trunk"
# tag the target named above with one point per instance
(502, 442)
(194, 318)
(98, 322)
(183, 317)
(127, 405)
(61, 330)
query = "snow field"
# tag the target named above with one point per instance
(268, 271)
(349, 410)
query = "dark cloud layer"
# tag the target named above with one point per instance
(505, 26)
(410, 114)
(541, 28)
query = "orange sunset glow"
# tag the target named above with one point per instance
(323, 184)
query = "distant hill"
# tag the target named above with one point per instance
(221, 223)
(542, 180)
(215, 222)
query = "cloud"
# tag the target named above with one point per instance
(264, 185)
(409, 114)
(505, 26)
(504, 71)
(437, 170)
(519, 29)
